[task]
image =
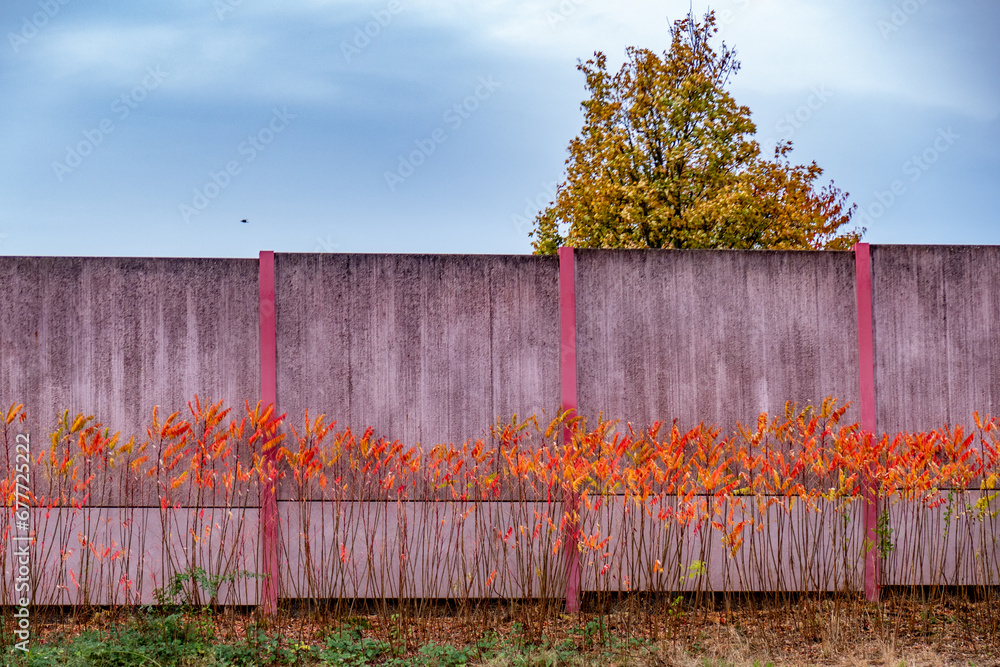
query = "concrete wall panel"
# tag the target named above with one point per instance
(424, 349)
(713, 336)
(936, 313)
(114, 337)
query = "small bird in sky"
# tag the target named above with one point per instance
(242, 220)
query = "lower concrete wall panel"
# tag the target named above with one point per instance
(781, 547)
(951, 543)
(422, 549)
(110, 555)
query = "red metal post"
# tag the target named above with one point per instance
(567, 362)
(268, 396)
(866, 374)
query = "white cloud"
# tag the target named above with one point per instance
(203, 59)
(787, 46)
(104, 54)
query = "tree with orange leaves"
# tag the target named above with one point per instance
(667, 159)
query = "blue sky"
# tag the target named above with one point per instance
(153, 129)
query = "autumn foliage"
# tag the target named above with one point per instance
(667, 159)
(663, 509)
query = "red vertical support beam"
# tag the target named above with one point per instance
(866, 374)
(268, 397)
(567, 362)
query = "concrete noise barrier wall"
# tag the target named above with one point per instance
(434, 348)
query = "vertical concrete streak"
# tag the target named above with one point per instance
(866, 376)
(268, 397)
(567, 357)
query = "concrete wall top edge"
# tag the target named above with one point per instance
(932, 246)
(873, 246)
(422, 255)
(105, 258)
(925, 252)
(733, 251)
